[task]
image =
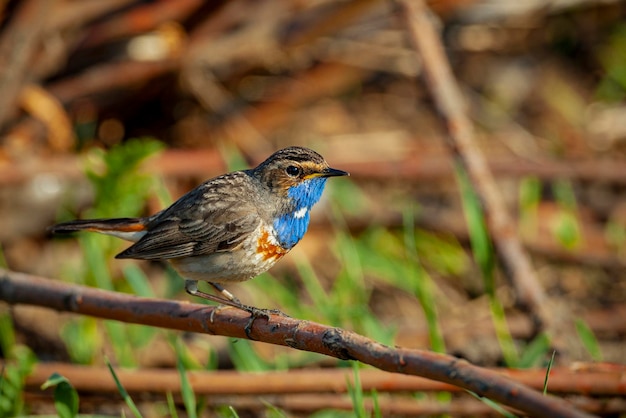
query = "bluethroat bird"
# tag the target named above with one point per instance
(230, 228)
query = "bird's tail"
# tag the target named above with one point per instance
(130, 229)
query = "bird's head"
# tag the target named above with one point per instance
(296, 176)
(296, 172)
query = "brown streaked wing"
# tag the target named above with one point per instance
(210, 218)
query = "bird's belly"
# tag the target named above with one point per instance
(254, 256)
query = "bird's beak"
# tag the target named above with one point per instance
(329, 172)
(333, 172)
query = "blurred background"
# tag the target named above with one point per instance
(116, 108)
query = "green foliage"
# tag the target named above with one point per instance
(482, 247)
(245, 357)
(529, 200)
(588, 339)
(120, 190)
(535, 352)
(615, 233)
(347, 197)
(3, 261)
(612, 55)
(7, 333)
(566, 228)
(484, 255)
(14, 372)
(65, 396)
(82, 338)
(138, 281)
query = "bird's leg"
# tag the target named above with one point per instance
(191, 286)
(226, 293)
(254, 312)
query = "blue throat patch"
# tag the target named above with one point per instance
(290, 227)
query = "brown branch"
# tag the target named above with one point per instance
(256, 405)
(79, 14)
(139, 19)
(593, 382)
(429, 166)
(450, 104)
(19, 288)
(110, 76)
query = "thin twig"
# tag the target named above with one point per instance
(110, 76)
(450, 104)
(19, 288)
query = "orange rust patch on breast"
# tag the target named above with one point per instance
(267, 247)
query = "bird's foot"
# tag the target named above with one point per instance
(230, 300)
(256, 313)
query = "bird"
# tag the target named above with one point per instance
(230, 228)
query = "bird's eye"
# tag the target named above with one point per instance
(293, 171)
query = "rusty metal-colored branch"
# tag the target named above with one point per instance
(451, 107)
(593, 382)
(19, 288)
(306, 390)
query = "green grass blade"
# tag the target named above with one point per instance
(485, 256)
(245, 358)
(127, 399)
(233, 412)
(171, 405)
(189, 397)
(423, 285)
(588, 339)
(377, 412)
(138, 282)
(493, 405)
(356, 392)
(545, 381)
(535, 352)
(3, 260)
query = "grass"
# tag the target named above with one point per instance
(485, 257)
(127, 399)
